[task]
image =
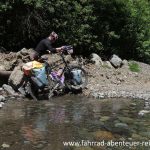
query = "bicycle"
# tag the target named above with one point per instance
(71, 77)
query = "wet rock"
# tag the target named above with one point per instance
(121, 125)
(137, 137)
(104, 118)
(4, 145)
(116, 61)
(39, 146)
(126, 119)
(2, 98)
(103, 135)
(96, 59)
(143, 112)
(121, 128)
(125, 63)
(145, 134)
(9, 89)
(16, 78)
(1, 104)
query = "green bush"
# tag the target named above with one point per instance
(134, 67)
(101, 26)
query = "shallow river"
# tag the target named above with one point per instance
(88, 124)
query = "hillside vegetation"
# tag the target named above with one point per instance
(102, 26)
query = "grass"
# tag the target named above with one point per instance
(134, 67)
(106, 66)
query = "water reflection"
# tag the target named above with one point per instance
(45, 125)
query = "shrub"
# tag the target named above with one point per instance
(134, 67)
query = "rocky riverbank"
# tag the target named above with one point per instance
(106, 79)
(110, 82)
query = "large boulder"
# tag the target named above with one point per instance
(7, 61)
(9, 89)
(116, 61)
(96, 59)
(16, 78)
(24, 55)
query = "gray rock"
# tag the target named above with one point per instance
(125, 62)
(4, 145)
(8, 65)
(126, 119)
(96, 59)
(1, 105)
(16, 78)
(121, 125)
(108, 64)
(143, 112)
(145, 134)
(122, 128)
(116, 61)
(9, 89)
(2, 98)
(2, 67)
(23, 52)
(68, 58)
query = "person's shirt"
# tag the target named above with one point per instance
(44, 45)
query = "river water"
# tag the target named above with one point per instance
(90, 124)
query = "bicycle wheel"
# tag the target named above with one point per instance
(76, 78)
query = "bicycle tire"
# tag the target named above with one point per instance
(68, 82)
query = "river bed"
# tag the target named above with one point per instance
(90, 124)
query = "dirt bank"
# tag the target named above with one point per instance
(103, 81)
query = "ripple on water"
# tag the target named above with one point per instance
(46, 124)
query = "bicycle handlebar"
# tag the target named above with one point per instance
(68, 49)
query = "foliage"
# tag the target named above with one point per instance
(134, 67)
(101, 26)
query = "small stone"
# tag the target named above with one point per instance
(1, 105)
(4, 145)
(9, 89)
(143, 112)
(126, 119)
(2, 98)
(121, 125)
(103, 135)
(104, 118)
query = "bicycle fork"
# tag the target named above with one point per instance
(52, 90)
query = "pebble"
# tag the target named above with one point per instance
(4, 145)
(117, 94)
(143, 112)
(1, 104)
(2, 98)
